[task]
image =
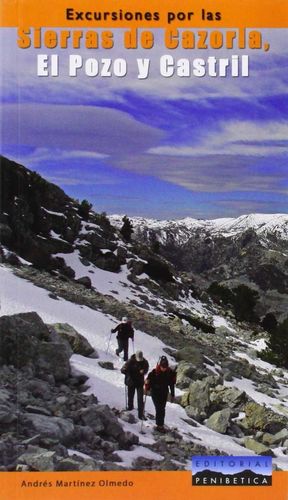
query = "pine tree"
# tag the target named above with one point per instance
(154, 243)
(221, 293)
(277, 345)
(84, 209)
(269, 322)
(245, 301)
(127, 229)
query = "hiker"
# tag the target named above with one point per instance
(135, 369)
(124, 332)
(158, 382)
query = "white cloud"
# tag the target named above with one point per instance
(209, 173)
(43, 154)
(90, 130)
(235, 138)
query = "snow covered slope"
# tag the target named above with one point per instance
(19, 295)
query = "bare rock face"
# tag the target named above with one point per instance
(197, 400)
(50, 427)
(219, 421)
(77, 342)
(191, 354)
(185, 374)
(20, 335)
(25, 339)
(37, 458)
(53, 358)
(7, 409)
(85, 281)
(228, 396)
(29, 322)
(263, 419)
(199, 395)
(258, 448)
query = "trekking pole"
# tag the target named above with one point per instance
(126, 399)
(141, 427)
(109, 343)
(133, 346)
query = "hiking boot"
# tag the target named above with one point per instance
(142, 417)
(160, 428)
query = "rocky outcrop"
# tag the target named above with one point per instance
(274, 439)
(56, 428)
(191, 354)
(186, 372)
(260, 418)
(223, 408)
(48, 412)
(85, 281)
(38, 221)
(26, 340)
(257, 447)
(219, 421)
(53, 358)
(77, 342)
(230, 397)
(197, 400)
(37, 459)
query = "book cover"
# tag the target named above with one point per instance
(143, 247)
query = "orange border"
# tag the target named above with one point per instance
(146, 485)
(240, 13)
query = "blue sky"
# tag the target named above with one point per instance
(163, 148)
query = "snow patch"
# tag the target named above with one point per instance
(129, 456)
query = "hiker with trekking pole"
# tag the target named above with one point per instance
(158, 382)
(135, 370)
(124, 331)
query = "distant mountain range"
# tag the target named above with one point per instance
(264, 225)
(250, 250)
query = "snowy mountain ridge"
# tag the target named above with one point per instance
(263, 224)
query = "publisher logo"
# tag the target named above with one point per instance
(231, 471)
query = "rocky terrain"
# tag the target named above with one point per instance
(69, 274)
(250, 250)
(43, 409)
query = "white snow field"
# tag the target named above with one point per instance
(117, 285)
(19, 295)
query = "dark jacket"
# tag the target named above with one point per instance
(132, 369)
(159, 381)
(124, 331)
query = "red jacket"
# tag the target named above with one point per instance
(158, 381)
